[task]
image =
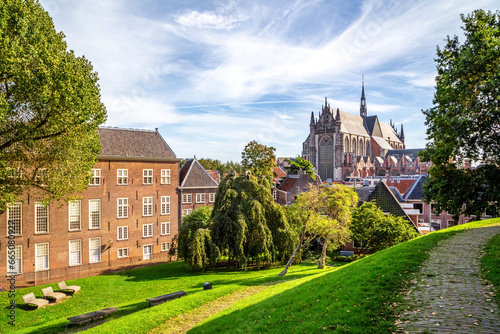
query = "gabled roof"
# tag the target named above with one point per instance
(389, 133)
(215, 175)
(280, 173)
(193, 175)
(412, 152)
(352, 124)
(382, 143)
(133, 143)
(373, 126)
(416, 191)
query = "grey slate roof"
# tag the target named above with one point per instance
(388, 132)
(412, 152)
(416, 191)
(133, 143)
(382, 143)
(193, 175)
(352, 124)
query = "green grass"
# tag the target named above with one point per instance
(360, 297)
(490, 263)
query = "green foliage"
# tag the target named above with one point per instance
(259, 159)
(373, 230)
(300, 164)
(195, 244)
(223, 168)
(465, 120)
(490, 263)
(50, 107)
(246, 223)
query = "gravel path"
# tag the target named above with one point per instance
(449, 294)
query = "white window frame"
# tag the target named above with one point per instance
(144, 257)
(41, 218)
(122, 207)
(165, 246)
(147, 176)
(165, 205)
(78, 244)
(17, 267)
(18, 217)
(122, 233)
(147, 206)
(186, 212)
(95, 250)
(94, 216)
(75, 215)
(201, 198)
(122, 253)
(95, 177)
(187, 198)
(165, 176)
(147, 230)
(211, 197)
(39, 257)
(122, 177)
(165, 228)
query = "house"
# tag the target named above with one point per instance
(127, 216)
(293, 186)
(197, 188)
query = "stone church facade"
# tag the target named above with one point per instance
(339, 142)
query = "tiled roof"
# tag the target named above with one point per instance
(280, 173)
(215, 175)
(412, 152)
(401, 184)
(288, 183)
(131, 143)
(416, 191)
(193, 175)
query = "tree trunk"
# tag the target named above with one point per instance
(321, 261)
(295, 252)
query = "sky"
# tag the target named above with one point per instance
(214, 75)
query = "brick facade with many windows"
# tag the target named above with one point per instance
(127, 215)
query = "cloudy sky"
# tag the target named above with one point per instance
(213, 75)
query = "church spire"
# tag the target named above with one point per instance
(402, 135)
(362, 106)
(312, 119)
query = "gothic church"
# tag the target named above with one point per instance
(339, 141)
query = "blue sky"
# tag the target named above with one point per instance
(214, 75)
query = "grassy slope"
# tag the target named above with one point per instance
(357, 298)
(129, 290)
(490, 264)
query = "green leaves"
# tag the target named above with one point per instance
(259, 159)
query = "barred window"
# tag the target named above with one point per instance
(94, 250)
(42, 256)
(14, 219)
(74, 215)
(41, 218)
(94, 213)
(75, 252)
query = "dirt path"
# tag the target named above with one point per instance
(186, 321)
(449, 294)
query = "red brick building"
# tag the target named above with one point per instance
(126, 217)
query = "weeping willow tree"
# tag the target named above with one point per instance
(246, 224)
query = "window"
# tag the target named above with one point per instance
(187, 198)
(41, 218)
(147, 252)
(186, 212)
(165, 246)
(419, 207)
(94, 250)
(42, 256)
(147, 206)
(122, 207)
(14, 219)
(211, 197)
(74, 216)
(122, 233)
(94, 213)
(165, 176)
(200, 198)
(165, 228)
(75, 252)
(147, 176)
(122, 252)
(15, 260)
(165, 205)
(122, 176)
(95, 177)
(147, 230)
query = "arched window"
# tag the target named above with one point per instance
(367, 147)
(361, 147)
(353, 148)
(346, 145)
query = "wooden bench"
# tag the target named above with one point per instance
(91, 316)
(30, 299)
(164, 298)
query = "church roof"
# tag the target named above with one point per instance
(389, 133)
(352, 124)
(412, 153)
(382, 143)
(133, 143)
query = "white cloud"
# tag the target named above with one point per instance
(208, 20)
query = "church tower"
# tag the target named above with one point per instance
(362, 106)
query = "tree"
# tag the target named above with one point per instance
(50, 108)
(465, 120)
(259, 159)
(300, 164)
(326, 214)
(246, 223)
(373, 230)
(195, 244)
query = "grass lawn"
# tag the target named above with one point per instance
(359, 297)
(490, 264)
